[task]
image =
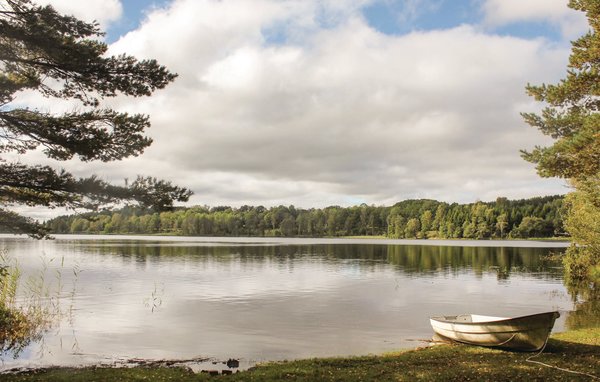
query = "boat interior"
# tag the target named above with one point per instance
(469, 318)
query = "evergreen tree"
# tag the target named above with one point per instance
(572, 119)
(61, 57)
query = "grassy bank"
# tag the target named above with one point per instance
(577, 350)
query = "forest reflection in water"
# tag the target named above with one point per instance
(406, 259)
(267, 301)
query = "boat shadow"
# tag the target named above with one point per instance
(561, 347)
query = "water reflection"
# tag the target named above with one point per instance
(269, 301)
(586, 298)
(408, 259)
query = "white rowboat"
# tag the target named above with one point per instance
(526, 333)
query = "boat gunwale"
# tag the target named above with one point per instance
(503, 321)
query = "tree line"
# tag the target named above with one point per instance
(422, 219)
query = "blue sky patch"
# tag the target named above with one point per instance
(530, 30)
(134, 11)
(402, 17)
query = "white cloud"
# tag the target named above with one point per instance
(334, 114)
(103, 11)
(343, 113)
(503, 12)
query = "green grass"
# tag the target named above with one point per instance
(577, 350)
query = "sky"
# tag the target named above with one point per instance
(337, 102)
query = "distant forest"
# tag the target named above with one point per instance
(527, 218)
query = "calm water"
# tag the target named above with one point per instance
(273, 299)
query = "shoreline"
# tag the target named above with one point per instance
(261, 240)
(576, 350)
(363, 237)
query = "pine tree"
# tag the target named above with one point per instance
(62, 57)
(572, 119)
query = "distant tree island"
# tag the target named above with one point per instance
(538, 217)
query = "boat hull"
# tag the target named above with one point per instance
(527, 333)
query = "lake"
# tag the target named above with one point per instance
(258, 299)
